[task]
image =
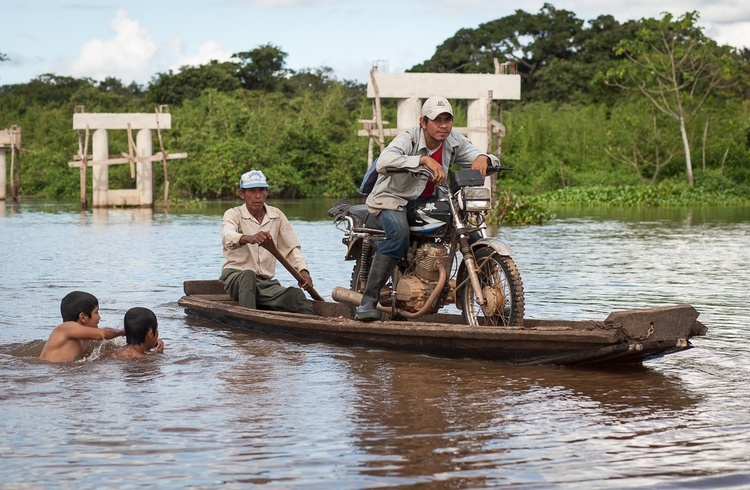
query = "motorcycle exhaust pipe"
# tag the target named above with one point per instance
(353, 298)
(343, 295)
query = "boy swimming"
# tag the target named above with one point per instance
(80, 327)
(141, 334)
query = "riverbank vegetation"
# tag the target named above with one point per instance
(603, 119)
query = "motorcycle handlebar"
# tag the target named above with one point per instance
(423, 170)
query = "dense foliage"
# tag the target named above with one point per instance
(583, 132)
(303, 135)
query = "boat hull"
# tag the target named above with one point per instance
(624, 337)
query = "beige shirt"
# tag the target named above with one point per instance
(238, 221)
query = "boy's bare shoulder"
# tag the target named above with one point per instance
(61, 345)
(125, 353)
(62, 334)
(66, 326)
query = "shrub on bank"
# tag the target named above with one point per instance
(712, 191)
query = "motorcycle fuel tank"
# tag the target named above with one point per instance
(429, 218)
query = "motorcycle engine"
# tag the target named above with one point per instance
(413, 289)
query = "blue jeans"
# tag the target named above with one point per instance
(396, 228)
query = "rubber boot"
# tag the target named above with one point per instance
(380, 271)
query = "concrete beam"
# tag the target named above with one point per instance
(120, 121)
(6, 139)
(387, 132)
(449, 85)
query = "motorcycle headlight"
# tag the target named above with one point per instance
(475, 199)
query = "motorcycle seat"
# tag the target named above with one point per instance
(364, 216)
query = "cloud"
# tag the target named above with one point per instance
(207, 52)
(737, 34)
(133, 55)
(128, 55)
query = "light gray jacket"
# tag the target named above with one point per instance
(392, 191)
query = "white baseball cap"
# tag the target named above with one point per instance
(253, 178)
(436, 105)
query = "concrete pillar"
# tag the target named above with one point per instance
(100, 216)
(145, 170)
(408, 112)
(100, 179)
(3, 181)
(477, 118)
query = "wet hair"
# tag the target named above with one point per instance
(75, 303)
(139, 322)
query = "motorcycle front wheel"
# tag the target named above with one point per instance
(501, 286)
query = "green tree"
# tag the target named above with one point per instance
(190, 81)
(742, 75)
(262, 68)
(49, 89)
(676, 67)
(114, 86)
(638, 140)
(531, 40)
(574, 78)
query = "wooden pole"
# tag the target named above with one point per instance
(378, 114)
(370, 154)
(271, 247)
(14, 182)
(84, 203)
(163, 158)
(131, 146)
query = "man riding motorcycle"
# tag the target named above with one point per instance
(433, 144)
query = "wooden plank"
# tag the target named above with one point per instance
(370, 122)
(656, 323)
(118, 161)
(211, 286)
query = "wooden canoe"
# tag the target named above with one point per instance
(623, 337)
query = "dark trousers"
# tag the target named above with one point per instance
(256, 292)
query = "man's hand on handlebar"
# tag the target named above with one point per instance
(435, 168)
(481, 163)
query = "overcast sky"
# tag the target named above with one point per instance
(134, 40)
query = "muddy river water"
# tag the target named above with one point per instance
(230, 408)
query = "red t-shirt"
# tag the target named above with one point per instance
(429, 188)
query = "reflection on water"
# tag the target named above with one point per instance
(224, 406)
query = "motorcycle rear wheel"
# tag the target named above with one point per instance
(502, 286)
(357, 283)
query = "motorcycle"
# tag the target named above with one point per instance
(451, 259)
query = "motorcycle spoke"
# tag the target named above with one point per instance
(502, 288)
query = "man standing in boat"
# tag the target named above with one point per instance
(433, 144)
(248, 273)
